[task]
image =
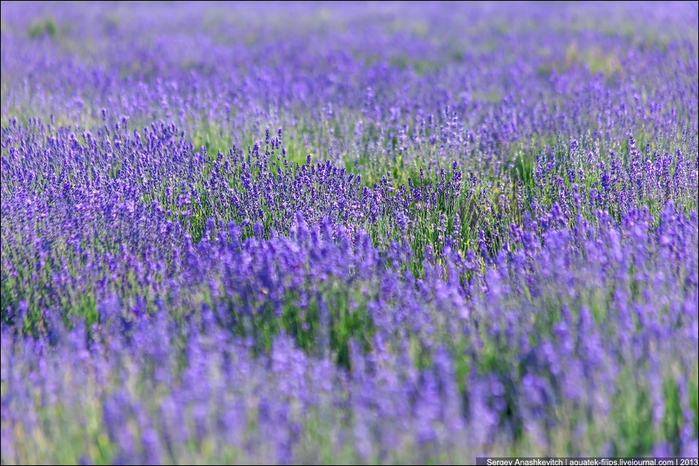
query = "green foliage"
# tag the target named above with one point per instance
(43, 28)
(632, 417)
(672, 418)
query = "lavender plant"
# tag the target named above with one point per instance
(386, 233)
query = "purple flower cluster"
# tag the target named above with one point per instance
(560, 335)
(387, 233)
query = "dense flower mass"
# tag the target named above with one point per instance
(395, 233)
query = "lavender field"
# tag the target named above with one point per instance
(348, 233)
